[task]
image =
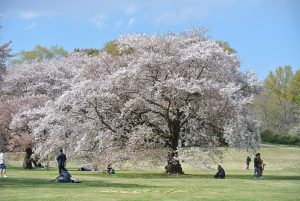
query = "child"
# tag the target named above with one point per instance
(2, 165)
(248, 162)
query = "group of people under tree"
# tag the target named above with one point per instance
(172, 167)
(65, 176)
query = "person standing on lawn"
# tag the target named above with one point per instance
(61, 161)
(2, 165)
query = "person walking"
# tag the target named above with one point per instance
(2, 165)
(61, 161)
(248, 162)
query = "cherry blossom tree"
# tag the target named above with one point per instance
(169, 90)
(30, 85)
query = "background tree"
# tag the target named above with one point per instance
(40, 53)
(4, 55)
(111, 48)
(278, 106)
(296, 87)
(226, 46)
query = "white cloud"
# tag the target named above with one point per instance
(181, 15)
(30, 26)
(131, 21)
(129, 10)
(98, 20)
(29, 14)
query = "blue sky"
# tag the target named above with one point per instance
(266, 33)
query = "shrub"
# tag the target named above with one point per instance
(272, 137)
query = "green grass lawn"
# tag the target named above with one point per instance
(281, 182)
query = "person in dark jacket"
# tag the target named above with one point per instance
(248, 160)
(61, 161)
(257, 162)
(110, 169)
(221, 173)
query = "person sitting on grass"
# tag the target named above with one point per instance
(64, 177)
(110, 169)
(220, 174)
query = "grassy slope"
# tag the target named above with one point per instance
(281, 182)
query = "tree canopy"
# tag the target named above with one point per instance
(169, 90)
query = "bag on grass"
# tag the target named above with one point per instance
(77, 181)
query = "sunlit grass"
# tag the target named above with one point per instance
(281, 182)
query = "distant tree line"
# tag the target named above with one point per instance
(278, 107)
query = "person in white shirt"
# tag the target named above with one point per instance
(2, 165)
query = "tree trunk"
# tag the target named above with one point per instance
(27, 163)
(174, 166)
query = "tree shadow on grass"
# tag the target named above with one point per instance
(247, 177)
(203, 176)
(43, 183)
(266, 177)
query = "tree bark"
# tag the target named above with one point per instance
(27, 163)
(174, 166)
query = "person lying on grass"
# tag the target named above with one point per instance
(84, 167)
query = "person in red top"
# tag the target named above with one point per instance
(260, 167)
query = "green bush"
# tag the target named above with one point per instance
(267, 135)
(271, 137)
